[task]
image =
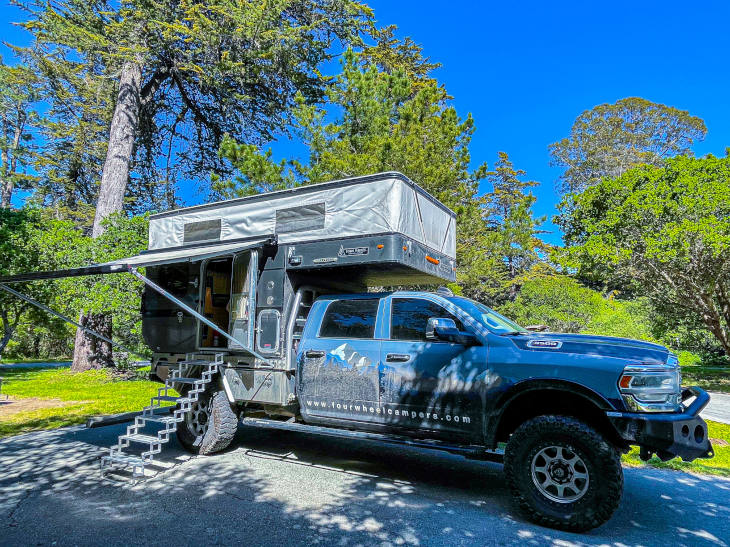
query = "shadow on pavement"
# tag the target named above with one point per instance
(282, 488)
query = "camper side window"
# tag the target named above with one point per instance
(267, 338)
(350, 319)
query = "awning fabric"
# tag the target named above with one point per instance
(146, 258)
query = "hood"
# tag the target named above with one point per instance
(588, 344)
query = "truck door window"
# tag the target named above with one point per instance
(350, 319)
(409, 317)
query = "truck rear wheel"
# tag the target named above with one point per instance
(210, 425)
(563, 474)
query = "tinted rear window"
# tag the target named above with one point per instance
(350, 319)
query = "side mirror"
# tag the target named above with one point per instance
(438, 327)
(441, 328)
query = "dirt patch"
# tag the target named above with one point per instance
(719, 442)
(11, 406)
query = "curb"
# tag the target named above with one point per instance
(102, 421)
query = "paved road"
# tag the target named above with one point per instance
(718, 409)
(55, 364)
(280, 488)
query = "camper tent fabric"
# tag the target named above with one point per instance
(376, 204)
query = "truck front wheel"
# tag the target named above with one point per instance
(210, 425)
(563, 474)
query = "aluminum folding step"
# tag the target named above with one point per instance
(183, 380)
(142, 439)
(124, 459)
(161, 419)
(169, 398)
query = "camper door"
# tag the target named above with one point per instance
(243, 298)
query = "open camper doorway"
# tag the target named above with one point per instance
(215, 297)
(228, 296)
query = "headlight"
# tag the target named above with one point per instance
(651, 388)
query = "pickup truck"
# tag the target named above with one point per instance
(448, 368)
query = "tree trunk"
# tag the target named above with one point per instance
(6, 184)
(10, 162)
(89, 351)
(8, 330)
(512, 275)
(121, 146)
(6, 192)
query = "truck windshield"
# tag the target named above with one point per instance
(488, 317)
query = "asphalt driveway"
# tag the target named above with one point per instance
(282, 488)
(718, 409)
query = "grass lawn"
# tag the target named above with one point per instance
(50, 398)
(709, 378)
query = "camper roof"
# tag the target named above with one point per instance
(359, 206)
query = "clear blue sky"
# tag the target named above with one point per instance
(526, 70)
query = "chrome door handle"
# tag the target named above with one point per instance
(313, 353)
(397, 357)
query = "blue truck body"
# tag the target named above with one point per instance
(463, 392)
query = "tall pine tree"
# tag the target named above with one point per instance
(375, 121)
(509, 214)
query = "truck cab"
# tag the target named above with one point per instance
(370, 361)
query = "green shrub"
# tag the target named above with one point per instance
(564, 305)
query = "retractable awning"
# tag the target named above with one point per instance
(145, 258)
(130, 265)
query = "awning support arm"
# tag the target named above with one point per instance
(191, 311)
(67, 319)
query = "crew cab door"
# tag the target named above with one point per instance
(338, 360)
(428, 384)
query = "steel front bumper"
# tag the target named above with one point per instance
(682, 434)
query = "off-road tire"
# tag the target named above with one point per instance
(601, 459)
(221, 427)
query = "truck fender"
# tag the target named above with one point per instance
(496, 413)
